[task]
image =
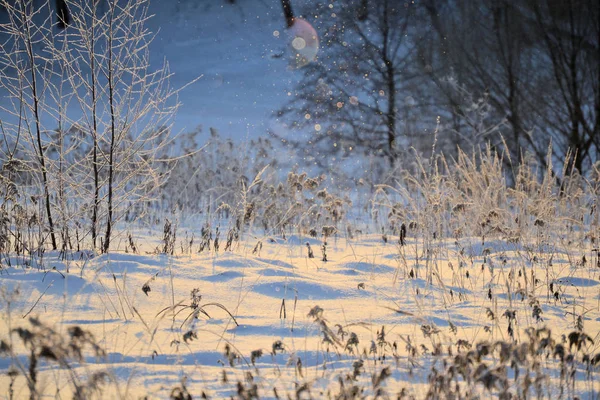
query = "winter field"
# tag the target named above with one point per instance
(451, 285)
(332, 231)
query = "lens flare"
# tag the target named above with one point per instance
(303, 43)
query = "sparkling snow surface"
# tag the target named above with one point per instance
(364, 285)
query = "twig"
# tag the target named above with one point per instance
(38, 300)
(294, 314)
(282, 309)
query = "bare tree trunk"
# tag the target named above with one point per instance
(288, 13)
(94, 129)
(36, 112)
(391, 89)
(111, 99)
(391, 114)
(363, 11)
(62, 14)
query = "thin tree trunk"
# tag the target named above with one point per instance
(94, 130)
(287, 12)
(391, 89)
(36, 113)
(391, 115)
(62, 14)
(111, 99)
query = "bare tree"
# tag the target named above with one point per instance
(87, 114)
(569, 35)
(138, 105)
(78, 65)
(535, 62)
(25, 76)
(362, 95)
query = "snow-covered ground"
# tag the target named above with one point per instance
(299, 313)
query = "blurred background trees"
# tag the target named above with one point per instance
(518, 74)
(359, 97)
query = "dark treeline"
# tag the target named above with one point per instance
(519, 74)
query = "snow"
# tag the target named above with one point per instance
(363, 287)
(241, 58)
